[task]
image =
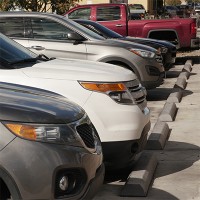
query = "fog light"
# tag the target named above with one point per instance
(64, 183)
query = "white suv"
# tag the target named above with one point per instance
(112, 96)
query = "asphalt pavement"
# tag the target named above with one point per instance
(177, 175)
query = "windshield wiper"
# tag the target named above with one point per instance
(27, 60)
(44, 57)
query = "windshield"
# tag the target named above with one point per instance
(84, 30)
(12, 52)
(136, 7)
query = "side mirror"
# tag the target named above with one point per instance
(75, 36)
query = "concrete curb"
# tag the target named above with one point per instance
(139, 180)
(188, 66)
(180, 83)
(158, 136)
(189, 62)
(175, 97)
(168, 113)
(184, 75)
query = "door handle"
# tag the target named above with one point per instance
(118, 25)
(39, 48)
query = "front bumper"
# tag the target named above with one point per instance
(169, 59)
(34, 167)
(149, 72)
(153, 84)
(119, 155)
(116, 122)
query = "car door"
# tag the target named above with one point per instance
(50, 37)
(14, 27)
(111, 17)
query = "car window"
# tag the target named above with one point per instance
(47, 29)
(99, 29)
(82, 13)
(136, 6)
(12, 27)
(108, 13)
(82, 29)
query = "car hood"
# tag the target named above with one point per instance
(115, 42)
(148, 41)
(82, 70)
(31, 105)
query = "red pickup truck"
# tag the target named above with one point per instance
(180, 31)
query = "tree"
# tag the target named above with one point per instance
(5, 5)
(61, 6)
(58, 6)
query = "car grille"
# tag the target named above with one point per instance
(86, 133)
(159, 58)
(138, 92)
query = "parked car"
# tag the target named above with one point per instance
(167, 49)
(112, 96)
(48, 145)
(197, 10)
(184, 11)
(137, 11)
(57, 36)
(118, 19)
(171, 10)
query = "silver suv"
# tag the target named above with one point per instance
(57, 36)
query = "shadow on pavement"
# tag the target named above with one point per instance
(160, 94)
(173, 74)
(182, 60)
(176, 156)
(112, 191)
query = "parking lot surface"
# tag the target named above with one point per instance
(177, 173)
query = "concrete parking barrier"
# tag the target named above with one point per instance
(188, 66)
(158, 136)
(175, 97)
(168, 113)
(140, 178)
(189, 62)
(184, 75)
(180, 83)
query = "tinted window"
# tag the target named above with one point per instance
(82, 29)
(12, 27)
(108, 13)
(48, 29)
(82, 13)
(99, 29)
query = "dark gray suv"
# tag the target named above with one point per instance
(57, 36)
(48, 147)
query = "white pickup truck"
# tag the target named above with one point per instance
(112, 96)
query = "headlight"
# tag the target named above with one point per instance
(143, 53)
(117, 91)
(44, 133)
(163, 49)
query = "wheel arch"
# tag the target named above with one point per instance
(122, 63)
(165, 34)
(7, 182)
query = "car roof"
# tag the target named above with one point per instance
(24, 13)
(100, 4)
